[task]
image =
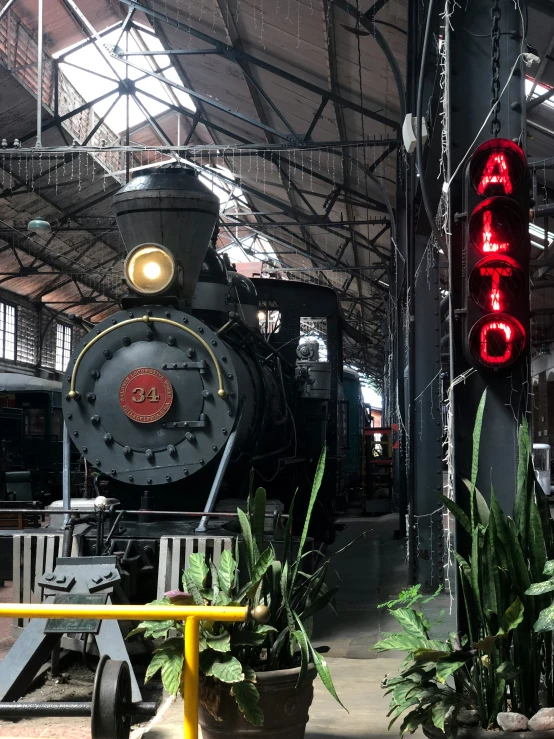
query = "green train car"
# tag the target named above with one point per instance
(31, 431)
(355, 404)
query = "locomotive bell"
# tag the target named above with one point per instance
(166, 217)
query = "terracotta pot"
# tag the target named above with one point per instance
(285, 709)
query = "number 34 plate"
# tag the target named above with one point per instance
(145, 395)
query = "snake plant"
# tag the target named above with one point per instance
(505, 660)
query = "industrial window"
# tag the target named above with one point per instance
(7, 331)
(64, 336)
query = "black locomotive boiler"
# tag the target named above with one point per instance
(179, 398)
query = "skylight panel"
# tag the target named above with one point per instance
(90, 64)
(539, 90)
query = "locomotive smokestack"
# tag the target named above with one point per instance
(172, 207)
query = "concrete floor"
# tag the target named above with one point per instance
(369, 573)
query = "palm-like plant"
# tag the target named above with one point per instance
(232, 653)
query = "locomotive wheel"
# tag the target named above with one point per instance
(111, 700)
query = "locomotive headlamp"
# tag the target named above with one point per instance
(149, 269)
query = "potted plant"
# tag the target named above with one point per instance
(257, 678)
(499, 671)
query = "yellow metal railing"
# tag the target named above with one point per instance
(191, 615)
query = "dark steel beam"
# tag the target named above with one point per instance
(58, 121)
(388, 151)
(211, 101)
(375, 8)
(22, 241)
(231, 54)
(315, 119)
(87, 41)
(363, 20)
(273, 157)
(100, 121)
(341, 125)
(540, 99)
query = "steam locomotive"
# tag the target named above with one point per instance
(182, 398)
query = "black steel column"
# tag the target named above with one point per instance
(472, 65)
(422, 370)
(427, 414)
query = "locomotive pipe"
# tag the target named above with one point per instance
(177, 514)
(218, 479)
(64, 709)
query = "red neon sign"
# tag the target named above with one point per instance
(496, 173)
(497, 167)
(490, 239)
(496, 298)
(497, 340)
(496, 226)
(495, 282)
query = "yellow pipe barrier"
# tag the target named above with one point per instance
(191, 615)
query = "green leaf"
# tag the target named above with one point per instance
(537, 545)
(229, 671)
(549, 567)
(524, 490)
(264, 629)
(154, 629)
(220, 643)
(262, 565)
(474, 572)
(191, 586)
(400, 642)
(429, 655)
(198, 569)
(545, 621)
(445, 669)
(475, 455)
(215, 583)
(499, 696)
(489, 567)
(439, 712)
(288, 529)
(520, 573)
(512, 617)
(226, 571)
(501, 527)
(245, 638)
(458, 513)
(538, 588)
(247, 539)
(249, 673)
(324, 674)
(410, 620)
(313, 496)
(507, 671)
(483, 513)
(319, 603)
(168, 658)
(413, 720)
(258, 523)
(302, 639)
(247, 698)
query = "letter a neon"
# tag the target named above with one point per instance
(496, 172)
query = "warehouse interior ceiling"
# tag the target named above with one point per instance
(289, 109)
